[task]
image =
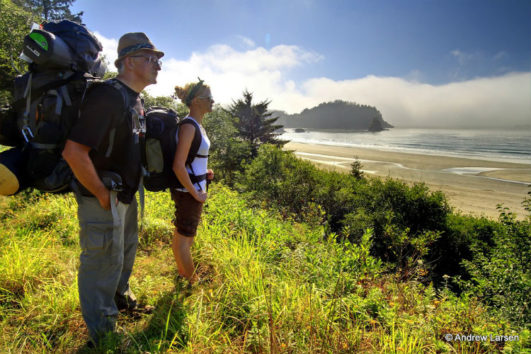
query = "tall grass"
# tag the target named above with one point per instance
(267, 285)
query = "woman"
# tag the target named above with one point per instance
(192, 172)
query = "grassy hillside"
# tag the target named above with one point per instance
(268, 285)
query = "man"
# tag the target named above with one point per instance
(104, 142)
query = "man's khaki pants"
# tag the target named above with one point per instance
(108, 248)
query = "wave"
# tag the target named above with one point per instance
(501, 146)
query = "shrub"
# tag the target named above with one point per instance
(405, 220)
(228, 152)
(462, 234)
(500, 275)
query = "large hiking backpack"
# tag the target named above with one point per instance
(159, 146)
(64, 45)
(65, 60)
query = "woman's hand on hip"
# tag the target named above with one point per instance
(201, 196)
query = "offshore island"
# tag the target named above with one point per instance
(472, 186)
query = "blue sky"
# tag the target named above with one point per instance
(415, 60)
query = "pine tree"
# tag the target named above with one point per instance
(255, 124)
(51, 10)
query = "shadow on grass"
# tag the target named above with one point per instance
(165, 330)
(167, 327)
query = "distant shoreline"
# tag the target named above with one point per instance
(476, 144)
(472, 186)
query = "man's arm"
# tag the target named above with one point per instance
(77, 157)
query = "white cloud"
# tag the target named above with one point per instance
(502, 101)
(229, 71)
(110, 47)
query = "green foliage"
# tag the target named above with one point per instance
(15, 23)
(228, 151)
(16, 19)
(51, 10)
(413, 230)
(285, 181)
(527, 203)
(164, 101)
(110, 75)
(356, 169)
(406, 220)
(501, 273)
(461, 236)
(267, 286)
(254, 122)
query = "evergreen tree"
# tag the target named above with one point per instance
(376, 125)
(15, 23)
(255, 124)
(51, 10)
(228, 152)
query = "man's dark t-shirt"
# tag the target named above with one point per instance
(102, 110)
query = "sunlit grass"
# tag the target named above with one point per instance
(267, 286)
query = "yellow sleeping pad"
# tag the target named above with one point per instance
(8, 181)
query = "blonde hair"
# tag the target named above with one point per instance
(185, 92)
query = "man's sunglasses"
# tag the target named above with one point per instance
(149, 59)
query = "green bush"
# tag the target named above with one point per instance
(280, 179)
(461, 236)
(228, 152)
(501, 274)
(405, 220)
(413, 229)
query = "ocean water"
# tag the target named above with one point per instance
(493, 145)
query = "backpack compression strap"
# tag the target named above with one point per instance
(58, 89)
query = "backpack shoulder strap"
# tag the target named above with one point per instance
(120, 88)
(127, 104)
(196, 143)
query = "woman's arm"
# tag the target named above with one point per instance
(186, 136)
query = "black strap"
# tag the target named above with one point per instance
(196, 179)
(129, 110)
(37, 92)
(196, 143)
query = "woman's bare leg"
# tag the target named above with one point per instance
(181, 246)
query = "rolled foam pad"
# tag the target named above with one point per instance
(11, 176)
(8, 181)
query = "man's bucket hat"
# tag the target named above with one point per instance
(134, 42)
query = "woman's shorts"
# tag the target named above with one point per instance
(187, 213)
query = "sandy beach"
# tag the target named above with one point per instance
(472, 186)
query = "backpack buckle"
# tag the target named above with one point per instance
(111, 180)
(139, 125)
(27, 133)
